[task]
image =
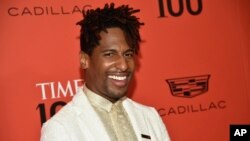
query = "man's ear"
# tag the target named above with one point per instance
(84, 60)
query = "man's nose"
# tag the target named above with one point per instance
(122, 63)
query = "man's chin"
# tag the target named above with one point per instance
(117, 94)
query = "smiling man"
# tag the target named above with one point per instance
(101, 111)
(110, 66)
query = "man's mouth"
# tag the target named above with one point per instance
(115, 77)
(119, 81)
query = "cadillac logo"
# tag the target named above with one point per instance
(189, 86)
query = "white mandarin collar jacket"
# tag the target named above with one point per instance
(78, 121)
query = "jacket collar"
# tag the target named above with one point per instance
(92, 123)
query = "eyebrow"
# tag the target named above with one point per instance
(130, 49)
(106, 50)
(113, 50)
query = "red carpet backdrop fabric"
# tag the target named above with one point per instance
(194, 65)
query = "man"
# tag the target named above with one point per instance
(100, 111)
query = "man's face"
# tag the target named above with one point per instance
(111, 65)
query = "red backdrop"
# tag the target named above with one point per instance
(39, 59)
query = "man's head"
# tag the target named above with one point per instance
(109, 40)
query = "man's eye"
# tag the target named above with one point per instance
(108, 54)
(129, 55)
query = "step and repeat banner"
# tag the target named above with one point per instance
(194, 64)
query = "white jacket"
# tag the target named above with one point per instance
(78, 121)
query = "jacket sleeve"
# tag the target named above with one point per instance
(54, 131)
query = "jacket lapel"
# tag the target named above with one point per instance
(137, 119)
(89, 121)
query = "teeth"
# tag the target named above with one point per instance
(117, 77)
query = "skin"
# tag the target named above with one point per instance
(112, 59)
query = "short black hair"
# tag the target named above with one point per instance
(97, 20)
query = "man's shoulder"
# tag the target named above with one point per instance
(63, 115)
(141, 111)
(70, 110)
(139, 106)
